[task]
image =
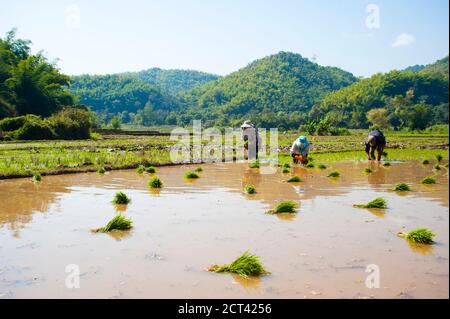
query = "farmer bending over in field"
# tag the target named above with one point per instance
(251, 139)
(375, 141)
(300, 150)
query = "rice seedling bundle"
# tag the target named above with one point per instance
(150, 169)
(191, 175)
(294, 179)
(121, 198)
(288, 206)
(155, 182)
(246, 265)
(378, 202)
(117, 223)
(334, 174)
(402, 187)
(250, 189)
(419, 235)
(428, 180)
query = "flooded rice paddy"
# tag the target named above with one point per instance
(321, 252)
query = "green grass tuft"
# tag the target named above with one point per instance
(437, 167)
(254, 164)
(155, 182)
(191, 175)
(322, 166)
(250, 189)
(310, 165)
(439, 157)
(245, 265)
(378, 202)
(286, 170)
(402, 187)
(199, 169)
(428, 180)
(367, 170)
(421, 236)
(121, 198)
(387, 164)
(334, 174)
(425, 162)
(101, 170)
(36, 177)
(287, 206)
(150, 170)
(294, 179)
(117, 223)
(286, 165)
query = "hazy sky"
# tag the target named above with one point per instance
(221, 36)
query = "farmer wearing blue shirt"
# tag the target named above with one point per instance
(300, 149)
(375, 141)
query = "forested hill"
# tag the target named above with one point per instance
(116, 93)
(439, 67)
(284, 85)
(402, 99)
(175, 81)
(128, 93)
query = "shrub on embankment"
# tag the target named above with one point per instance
(68, 124)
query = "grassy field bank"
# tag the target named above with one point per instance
(23, 159)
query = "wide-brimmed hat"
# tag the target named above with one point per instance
(247, 124)
(302, 139)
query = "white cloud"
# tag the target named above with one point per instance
(403, 39)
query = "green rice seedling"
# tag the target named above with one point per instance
(310, 165)
(439, 157)
(287, 206)
(150, 169)
(191, 175)
(384, 154)
(402, 187)
(101, 170)
(250, 189)
(155, 182)
(294, 179)
(36, 177)
(140, 169)
(367, 170)
(254, 164)
(286, 165)
(321, 166)
(117, 223)
(428, 180)
(334, 174)
(121, 198)
(387, 164)
(286, 170)
(378, 202)
(437, 167)
(425, 162)
(310, 158)
(419, 235)
(446, 165)
(199, 169)
(246, 265)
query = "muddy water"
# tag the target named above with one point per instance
(322, 252)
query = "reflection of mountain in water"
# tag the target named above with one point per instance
(20, 198)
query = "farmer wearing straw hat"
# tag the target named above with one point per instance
(299, 150)
(251, 139)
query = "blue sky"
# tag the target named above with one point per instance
(221, 36)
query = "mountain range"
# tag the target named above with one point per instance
(283, 89)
